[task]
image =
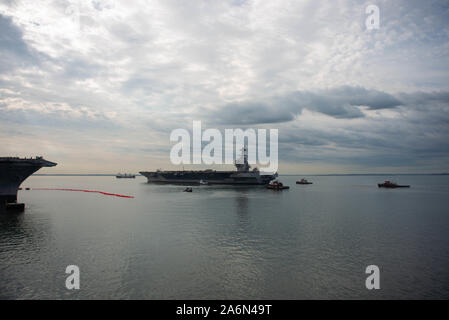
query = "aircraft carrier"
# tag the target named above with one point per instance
(13, 171)
(243, 175)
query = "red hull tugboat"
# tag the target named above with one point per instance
(276, 185)
(391, 185)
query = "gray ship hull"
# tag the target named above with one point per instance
(212, 177)
(243, 175)
(13, 171)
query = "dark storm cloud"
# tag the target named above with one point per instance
(358, 96)
(247, 113)
(423, 100)
(342, 102)
(14, 52)
(418, 134)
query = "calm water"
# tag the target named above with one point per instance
(220, 242)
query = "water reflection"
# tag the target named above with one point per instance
(13, 225)
(23, 232)
(241, 207)
(228, 242)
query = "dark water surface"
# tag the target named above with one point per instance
(219, 242)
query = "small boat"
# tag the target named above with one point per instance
(391, 185)
(125, 175)
(188, 189)
(303, 181)
(276, 185)
(204, 182)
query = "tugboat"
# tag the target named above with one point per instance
(125, 175)
(391, 185)
(276, 185)
(303, 181)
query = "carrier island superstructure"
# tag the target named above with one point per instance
(13, 171)
(243, 175)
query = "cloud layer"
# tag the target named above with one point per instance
(92, 82)
(341, 103)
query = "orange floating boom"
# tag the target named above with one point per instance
(82, 190)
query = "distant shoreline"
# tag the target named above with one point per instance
(370, 174)
(77, 174)
(284, 175)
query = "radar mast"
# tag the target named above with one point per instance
(242, 165)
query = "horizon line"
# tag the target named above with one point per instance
(290, 174)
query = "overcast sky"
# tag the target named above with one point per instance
(97, 86)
